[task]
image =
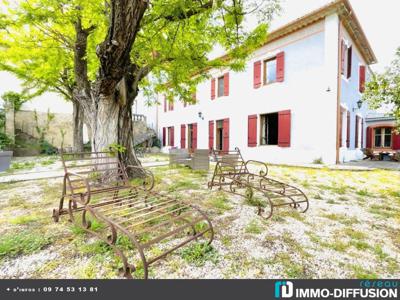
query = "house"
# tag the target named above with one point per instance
(382, 135)
(298, 100)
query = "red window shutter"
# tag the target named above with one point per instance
(210, 135)
(349, 61)
(172, 137)
(342, 57)
(362, 132)
(356, 133)
(252, 131)
(369, 137)
(226, 84)
(396, 141)
(280, 67)
(284, 124)
(348, 130)
(194, 136)
(257, 74)
(165, 104)
(213, 89)
(225, 129)
(183, 136)
(362, 79)
(164, 136)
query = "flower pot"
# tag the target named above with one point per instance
(5, 160)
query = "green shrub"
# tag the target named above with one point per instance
(24, 242)
(5, 141)
(199, 253)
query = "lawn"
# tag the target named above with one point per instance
(350, 231)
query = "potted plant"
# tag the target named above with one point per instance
(5, 156)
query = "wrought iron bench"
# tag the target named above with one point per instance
(232, 171)
(97, 187)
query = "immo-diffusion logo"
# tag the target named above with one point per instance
(283, 289)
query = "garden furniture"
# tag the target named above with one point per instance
(233, 172)
(97, 189)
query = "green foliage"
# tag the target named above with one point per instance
(15, 99)
(23, 165)
(199, 253)
(5, 141)
(384, 88)
(253, 227)
(318, 161)
(24, 242)
(116, 148)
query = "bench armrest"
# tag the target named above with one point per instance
(263, 172)
(85, 180)
(148, 180)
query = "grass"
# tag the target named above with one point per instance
(24, 220)
(220, 202)
(360, 273)
(183, 185)
(22, 243)
(27, 165)
(199, 253)
(253, 227)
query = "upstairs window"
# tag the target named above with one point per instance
(347, 57)
(270, 70)
(269, 129)
(221, 86)
(383, 137)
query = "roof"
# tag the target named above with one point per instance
(349, 20)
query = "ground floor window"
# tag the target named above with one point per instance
(219, 134)
(269, 129)
(170, 136)
(383, 137)
(190, 136)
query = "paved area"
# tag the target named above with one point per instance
(372, 164)
(32, 175)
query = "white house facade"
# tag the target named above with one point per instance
(297, 101)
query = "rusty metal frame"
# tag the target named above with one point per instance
(232, 171)
(147, 219)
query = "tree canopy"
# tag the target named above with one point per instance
(38, 39)
(384, 89)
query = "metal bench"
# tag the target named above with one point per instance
(232, 172)
(97, 187)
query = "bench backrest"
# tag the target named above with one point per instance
(103, 170)
(230, 161)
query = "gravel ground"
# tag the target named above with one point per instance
(350, 230)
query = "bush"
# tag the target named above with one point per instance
(5, 141)
(47, 148)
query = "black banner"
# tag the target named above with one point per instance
(199, 289)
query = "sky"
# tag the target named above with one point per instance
(379, 19)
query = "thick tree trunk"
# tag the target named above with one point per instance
(112, 124)
(77, 127)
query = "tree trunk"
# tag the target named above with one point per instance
(112, 124)
(77, 127)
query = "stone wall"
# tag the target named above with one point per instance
(10, 125)
(25, 121)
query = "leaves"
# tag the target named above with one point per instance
(384, 89)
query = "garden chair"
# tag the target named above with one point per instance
(232, 173)
(97, 188)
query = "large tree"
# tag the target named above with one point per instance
(384, 89)
(119, 46)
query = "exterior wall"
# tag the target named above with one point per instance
(348, 99)
(304, 92)
(25, 121)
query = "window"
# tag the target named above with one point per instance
(190, 136)
(221, 86)
(349, 60)
(269, 129)
(383, 137)
(219, 134)
(347, 55)
(270, 70)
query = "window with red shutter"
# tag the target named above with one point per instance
(164, 136)
(280, 67)
(252, 131)
(356, 141)
(342, 57)
(210, 135)
(284, 128)
(257, 75)
(225, 143)
(362, 79)
(183, 136)
(213, 89)
(349, 61)
(226, 84)
(348, 130)
(342, 111)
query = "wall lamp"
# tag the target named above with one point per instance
(201, 115)
(359, 105)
